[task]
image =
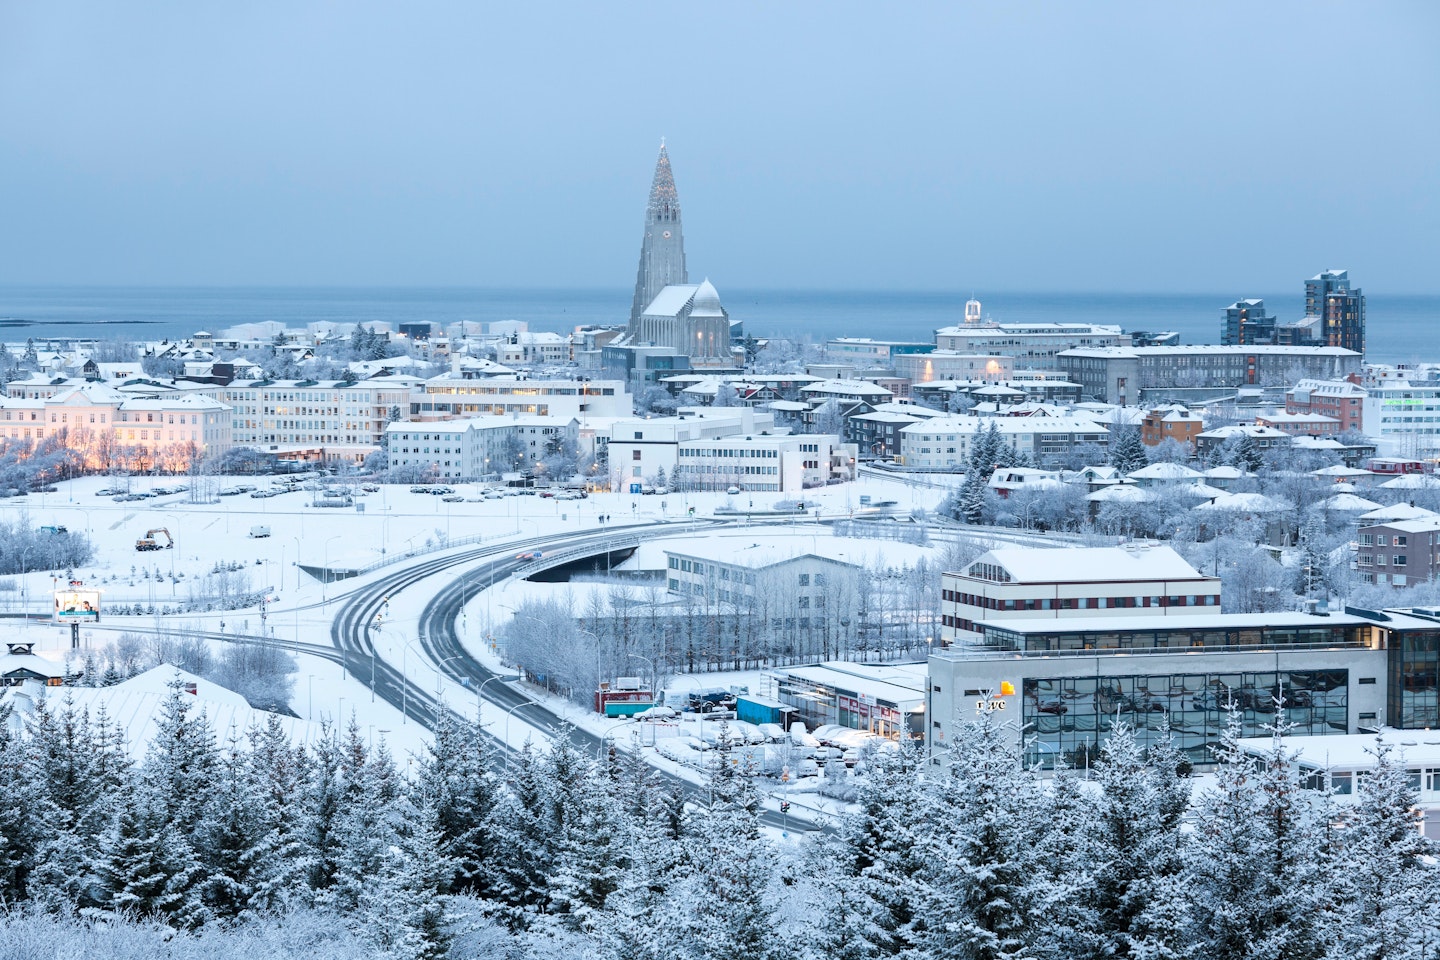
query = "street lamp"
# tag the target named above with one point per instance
(440, 673)
(654, 690)
(508, 713)
(325, 580)
(405, 678)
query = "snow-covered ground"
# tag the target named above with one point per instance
(388, 525)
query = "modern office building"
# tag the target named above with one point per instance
(1069, 681)
(1403, 415)
(1071, 584)
(1246, 322)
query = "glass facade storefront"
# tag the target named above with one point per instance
(1413, 694)
(1073, 716)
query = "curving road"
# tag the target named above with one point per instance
(441, 641)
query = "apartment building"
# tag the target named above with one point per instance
(471, 449)
(112, 428)
(763, 462)
(1028, 584)
(1399, 553)
(1340, 399)
(326, 420)
(451, 395)
(1172, 422)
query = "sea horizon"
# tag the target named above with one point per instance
(1400, 327)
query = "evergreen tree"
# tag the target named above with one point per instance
(976, 869)
(454, 787)
(1253, 876)
(1127, 452)
(873, 863)
(1387, 889)
(1134, 839)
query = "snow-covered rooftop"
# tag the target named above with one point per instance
(1091, 564)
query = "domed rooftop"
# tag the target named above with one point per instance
(706, 302)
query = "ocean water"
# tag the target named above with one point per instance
(1399, 328)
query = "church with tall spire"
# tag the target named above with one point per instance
(670, 314)
(662, 251)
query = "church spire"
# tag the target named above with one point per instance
(662, 250)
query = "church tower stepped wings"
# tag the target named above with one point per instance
(662, 251)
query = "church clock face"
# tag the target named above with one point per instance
(666, 234)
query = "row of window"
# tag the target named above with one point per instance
(1080, 603)
(1378, 560)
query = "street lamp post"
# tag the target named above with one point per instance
(511, 711)
(601, 750)
(405, 679)
(654, 689)
(325, 580)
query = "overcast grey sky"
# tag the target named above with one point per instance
(1016, 146)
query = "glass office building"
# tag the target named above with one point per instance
(1071, 717)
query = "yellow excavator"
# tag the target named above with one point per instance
(148, 542)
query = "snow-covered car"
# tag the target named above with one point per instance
(453, 498)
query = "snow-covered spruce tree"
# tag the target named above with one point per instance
(368, 823)
(592, 857)
(1127, 452)
(22, 814)
(322, 803)
(729, 898)
(1387, 889)
(1134, 839)
(1254, 877)
(456, 786)
(976, 855)
(871, 865)
(524, 835)
(279, 775)
(1060, 893)
(236, 849)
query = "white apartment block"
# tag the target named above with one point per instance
(539, 437)
(944, 443)
(110, 428)
(1069, 583)
(470, 449)
(763, 463)
(449, 396)
(333, 420)
(640, 447)
(533, 349)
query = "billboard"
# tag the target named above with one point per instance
(75, 604)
